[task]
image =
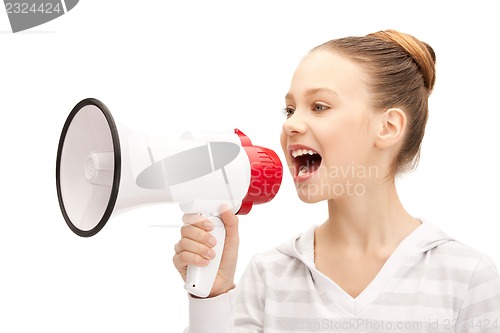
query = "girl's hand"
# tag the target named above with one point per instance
(195, 248)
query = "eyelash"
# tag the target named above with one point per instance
(323, 107)
(288, 111)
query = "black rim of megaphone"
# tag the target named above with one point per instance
(116, 171)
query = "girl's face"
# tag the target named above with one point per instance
(328, 137)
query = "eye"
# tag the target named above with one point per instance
(320, 107)
(288, 111)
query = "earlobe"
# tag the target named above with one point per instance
(392, 127)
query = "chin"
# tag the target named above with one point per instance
(309, 195)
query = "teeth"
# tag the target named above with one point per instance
(301, 152)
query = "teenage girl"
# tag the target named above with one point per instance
(356, 113)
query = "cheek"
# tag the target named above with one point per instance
(283, 142)
(344, 145)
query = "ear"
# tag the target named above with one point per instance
(391, 128)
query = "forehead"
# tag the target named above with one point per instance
(327, 69)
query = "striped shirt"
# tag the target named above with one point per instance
(430, 283)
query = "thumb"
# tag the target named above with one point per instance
(230, 221)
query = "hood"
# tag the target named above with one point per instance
(424, 238)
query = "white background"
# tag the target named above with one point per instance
(163, 67)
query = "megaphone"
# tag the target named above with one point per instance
(103, 169)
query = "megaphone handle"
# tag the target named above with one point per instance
(200, 280)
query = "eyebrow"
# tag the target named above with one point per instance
(312, 91)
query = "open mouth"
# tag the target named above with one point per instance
(306, 161)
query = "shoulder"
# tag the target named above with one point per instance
(444, 251)
(462, 255)
(469, 267)
(478, 273)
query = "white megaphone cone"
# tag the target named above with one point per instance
(103, 169)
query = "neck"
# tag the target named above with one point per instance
(369, 222)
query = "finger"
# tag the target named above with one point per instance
(228, 217)
(186, 244)
(184, 259)
(198, 235)
(198, 221)
(230, 221)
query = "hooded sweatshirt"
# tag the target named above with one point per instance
(430, 283)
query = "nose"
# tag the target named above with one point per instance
(295, 124)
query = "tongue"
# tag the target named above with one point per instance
(308, 163)
(303, 170)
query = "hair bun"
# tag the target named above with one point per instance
(421, 52)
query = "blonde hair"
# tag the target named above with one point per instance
(401, 71)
